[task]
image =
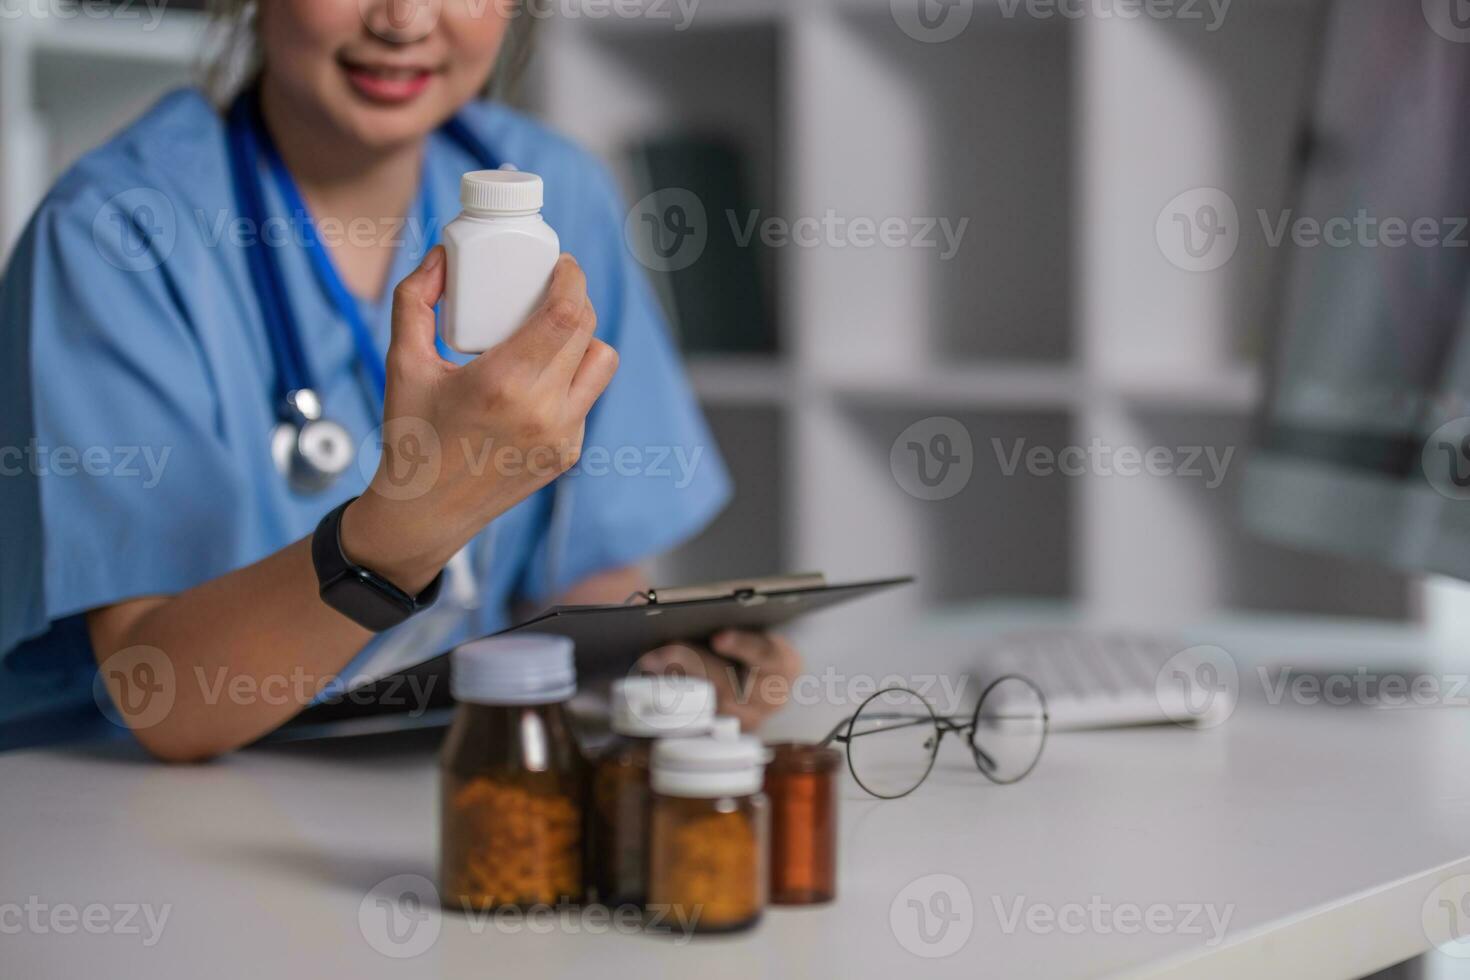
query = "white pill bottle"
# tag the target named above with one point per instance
(499, 255)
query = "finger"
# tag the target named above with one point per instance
(733, 697)
(771, 669)
(672, 660)
(593, 375)
(744, 646)
(653, 661)
(562, 321)
(570, 357)
(413, 308)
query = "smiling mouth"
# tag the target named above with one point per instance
(388, 84)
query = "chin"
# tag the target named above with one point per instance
(383, 127)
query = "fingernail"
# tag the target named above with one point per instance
(432, 260)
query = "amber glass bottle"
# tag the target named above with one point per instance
(708, 838)
(512, 777)
(642, 710)
(801, 784)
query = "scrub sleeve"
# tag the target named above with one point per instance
(113, 480)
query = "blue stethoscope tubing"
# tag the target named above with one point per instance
(249, 143)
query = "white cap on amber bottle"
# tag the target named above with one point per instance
(662, 706)
(527, 669)
(722, 763)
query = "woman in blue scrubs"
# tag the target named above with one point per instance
(148, 528)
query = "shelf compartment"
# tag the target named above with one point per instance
(888, 128)
(1003, 531)
(74, 119)
(1229, 120)
(749, 537)
(698, 95)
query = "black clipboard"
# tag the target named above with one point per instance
(609, 640)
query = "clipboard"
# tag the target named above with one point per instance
(609, 640)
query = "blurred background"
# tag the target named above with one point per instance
(1016, 161)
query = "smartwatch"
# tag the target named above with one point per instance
(358, 593)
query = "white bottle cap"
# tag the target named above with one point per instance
(513, 670)
(664, 705)
(501, 191)
(722, 763)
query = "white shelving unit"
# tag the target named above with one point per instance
(1060, 320)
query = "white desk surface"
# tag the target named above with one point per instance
(1323, 830)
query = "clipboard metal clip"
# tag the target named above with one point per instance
(746, 591)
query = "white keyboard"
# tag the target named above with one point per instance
(1116, 679)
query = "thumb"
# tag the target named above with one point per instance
(413, 308)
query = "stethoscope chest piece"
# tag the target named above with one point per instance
(311, 452)
(308, 450)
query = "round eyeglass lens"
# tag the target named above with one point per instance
(1010, 729)
(891, 743)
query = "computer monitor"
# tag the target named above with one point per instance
(1363, 447)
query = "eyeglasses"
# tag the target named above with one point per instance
(893, 738)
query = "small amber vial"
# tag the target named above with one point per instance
(708, 838)
(801, 784)
(512, 778)
(642, 710)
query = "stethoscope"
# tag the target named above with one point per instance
(308, 448)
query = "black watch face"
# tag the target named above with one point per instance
(365, 605)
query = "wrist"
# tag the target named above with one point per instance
(379, 535)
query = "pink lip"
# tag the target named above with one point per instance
(391, 90)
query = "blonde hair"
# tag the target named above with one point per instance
(232, 57)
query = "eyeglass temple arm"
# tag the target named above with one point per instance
(835, 735)
(945, 725)
(832, 735)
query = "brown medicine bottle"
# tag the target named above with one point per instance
(512, 778)
(642, 709)
(801, 783)
(708, 838)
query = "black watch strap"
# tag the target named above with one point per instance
(358, 593)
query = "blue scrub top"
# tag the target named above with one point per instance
(136, 400)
